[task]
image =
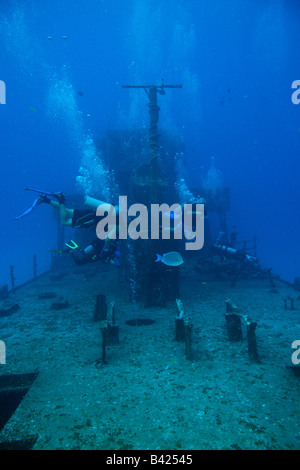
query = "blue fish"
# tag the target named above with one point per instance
(173, 258)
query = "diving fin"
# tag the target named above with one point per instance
(34, 206)
(58, 195)
(41, 192)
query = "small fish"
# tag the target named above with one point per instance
(65, 37)
(80, 93)
(170, 259)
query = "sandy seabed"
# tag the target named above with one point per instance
(149, 395)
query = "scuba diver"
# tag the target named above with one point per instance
(107, 251)
(75, 218)
(229, 251)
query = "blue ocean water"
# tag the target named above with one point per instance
(236, 60)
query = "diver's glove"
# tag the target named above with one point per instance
(60, 197)
(43, 199)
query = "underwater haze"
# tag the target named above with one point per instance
(64, 63)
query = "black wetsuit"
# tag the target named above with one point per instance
(87, 219)
(95, 251)
(89, 254)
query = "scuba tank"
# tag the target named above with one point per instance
(233, 253)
